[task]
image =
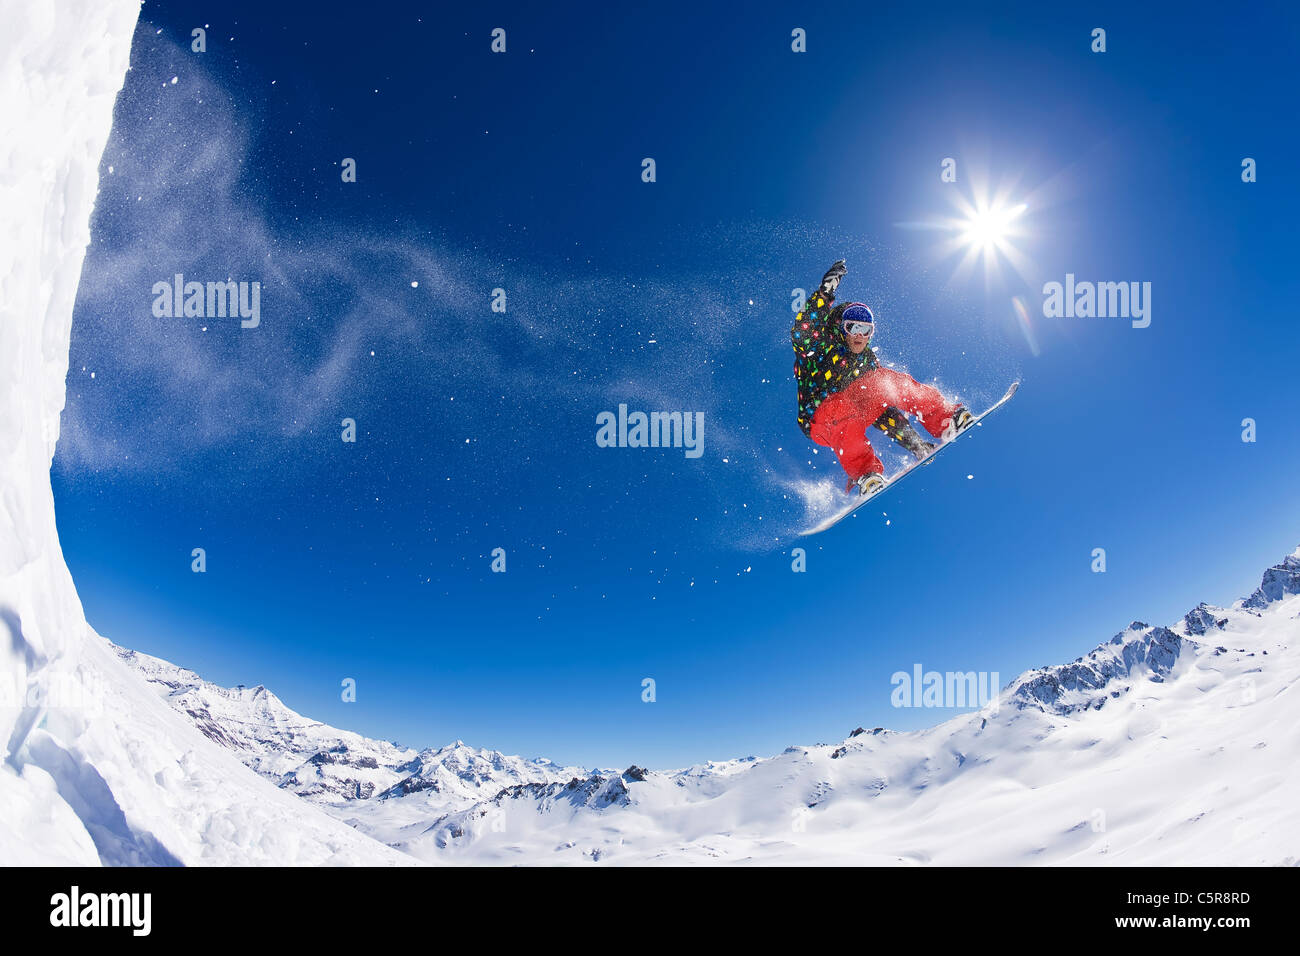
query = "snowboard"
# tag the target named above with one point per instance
(860, 500)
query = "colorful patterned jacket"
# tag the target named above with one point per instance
(823, 362)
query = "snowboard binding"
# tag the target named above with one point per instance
(961, 420)
(868, 484)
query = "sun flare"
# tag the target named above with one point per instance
(991, 227)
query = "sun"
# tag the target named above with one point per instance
(991, 228)
(986, 230)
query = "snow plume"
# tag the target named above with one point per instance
(820, 499)
(350, 312)
(184, 205)
(96, 769)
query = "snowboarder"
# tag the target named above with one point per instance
(843, 390)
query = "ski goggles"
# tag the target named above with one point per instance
(858, 320)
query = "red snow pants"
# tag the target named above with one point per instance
(842, 420)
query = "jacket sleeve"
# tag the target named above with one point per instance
(815, 317)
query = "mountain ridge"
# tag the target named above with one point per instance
(459, 804)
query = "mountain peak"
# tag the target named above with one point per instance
(1202, 619)
(1082, 684)
(1281, 580)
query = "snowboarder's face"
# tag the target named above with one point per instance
(857, 341)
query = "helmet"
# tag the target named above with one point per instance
(857, 314)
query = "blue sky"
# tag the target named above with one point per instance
(477, 429)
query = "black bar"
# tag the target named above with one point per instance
(375, 905)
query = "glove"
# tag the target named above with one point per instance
(831, 280)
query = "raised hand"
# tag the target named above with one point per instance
(831, 280)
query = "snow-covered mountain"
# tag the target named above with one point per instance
(1168, 745)
(331, 766)
(457, 774)
(304, 756)
(1164, 746)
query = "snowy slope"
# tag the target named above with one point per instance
(95, 769)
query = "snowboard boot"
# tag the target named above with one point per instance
(868, 484)
(960, 421)
(895, 424)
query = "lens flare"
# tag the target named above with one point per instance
(1025, 324)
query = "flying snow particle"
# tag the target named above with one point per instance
(415, 285)
(969, 477)
(174, 79)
